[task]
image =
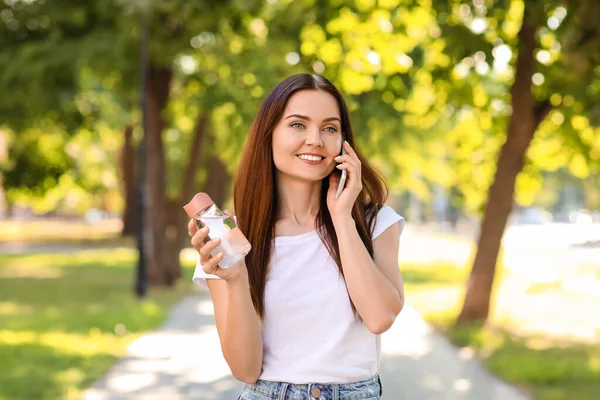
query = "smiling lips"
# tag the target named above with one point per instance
(311, 159)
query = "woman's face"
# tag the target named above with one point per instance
(308, 137)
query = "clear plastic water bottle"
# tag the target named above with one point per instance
(234, 244)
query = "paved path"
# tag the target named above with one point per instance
(183, 361)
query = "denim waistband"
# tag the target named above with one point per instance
(364, 389)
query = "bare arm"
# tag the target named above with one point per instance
(238, 327)
(237, 323)
(374, 284)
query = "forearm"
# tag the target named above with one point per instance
(242, 347)
(376, 299)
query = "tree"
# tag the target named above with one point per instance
(46, 46)
(97, 42)
(428, 85)
(174, 25)
(564, 38)
(445, 73)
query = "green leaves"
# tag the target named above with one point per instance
(35, 162)
(422, 79)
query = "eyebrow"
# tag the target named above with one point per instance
(304, 117)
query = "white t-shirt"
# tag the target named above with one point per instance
(309, 332)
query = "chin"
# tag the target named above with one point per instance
(309, 178)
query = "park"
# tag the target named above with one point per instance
(483, 116)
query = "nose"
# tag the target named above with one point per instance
(314, 138)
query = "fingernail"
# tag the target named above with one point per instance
(339, 166)
(217, 240)
(220, 255)
(337, 158)
(204, 230)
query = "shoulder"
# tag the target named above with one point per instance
(386, 217)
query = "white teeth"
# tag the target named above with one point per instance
(310, 158)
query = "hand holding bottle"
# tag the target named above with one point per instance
(216, 237)
(210, 264)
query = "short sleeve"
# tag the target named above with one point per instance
(386, 217)
(200, 276)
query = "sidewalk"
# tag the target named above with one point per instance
(183, 361)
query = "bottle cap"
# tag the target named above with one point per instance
(197, 204)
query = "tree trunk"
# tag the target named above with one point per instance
(218, 181)
(176, 217)
(174, 239)
(127, 163)
(159, 80)
(523, 123)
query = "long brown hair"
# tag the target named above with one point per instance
(255, 189)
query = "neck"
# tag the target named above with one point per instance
(298, 200)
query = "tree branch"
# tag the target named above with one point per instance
(522, 97)
(541, 111)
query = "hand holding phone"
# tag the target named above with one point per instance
(344, 172)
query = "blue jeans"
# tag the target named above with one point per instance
(369, 389)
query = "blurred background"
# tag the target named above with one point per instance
(483, 115)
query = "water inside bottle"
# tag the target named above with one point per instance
(234, 244)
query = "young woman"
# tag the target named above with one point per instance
(301, 317)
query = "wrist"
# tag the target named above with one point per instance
(342, 222)
(240, 278)
(237, 282)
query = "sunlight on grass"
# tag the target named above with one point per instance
(116, 257)
(438, 272)
(12, 308)
(66, 318)
(540, 336)
(434, 289)
(29, 271)
(84, 344)
(59, 231)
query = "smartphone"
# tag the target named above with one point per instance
(344, 172)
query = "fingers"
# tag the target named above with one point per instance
(198, 238)
(192, 227)
(349, 159)
(351, 154)
(350, 151)
(353, 166)
(346, 159)
(348, 163)
(207, 249)
(211, 266)
(348, 167)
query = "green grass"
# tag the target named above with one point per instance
(66, 318)
(107, 232)
(62, 318)
(440, 273)
(548, 369)
(546, 365)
